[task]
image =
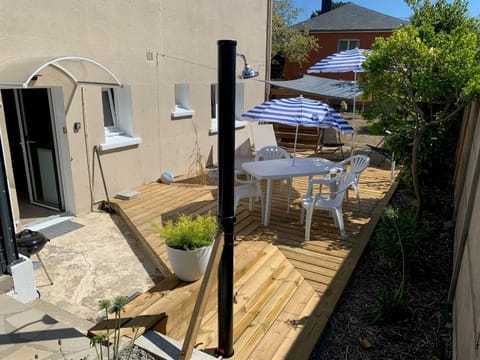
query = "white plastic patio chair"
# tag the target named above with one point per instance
(250, 189)
(272, 153)
(331, 201)
(355, 165)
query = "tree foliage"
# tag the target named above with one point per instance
(443, 17)
(287, 41)
(421, 78)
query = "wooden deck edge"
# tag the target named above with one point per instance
(315, 327)
(164, 268)
(133, 309)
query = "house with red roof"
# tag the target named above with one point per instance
(342, 28)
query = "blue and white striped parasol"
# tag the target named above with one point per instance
(344, 61)
(297, 112)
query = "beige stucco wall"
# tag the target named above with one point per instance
(182, 36)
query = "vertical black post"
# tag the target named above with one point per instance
(226, 215)
(8, 243)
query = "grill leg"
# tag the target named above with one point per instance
(44, 268)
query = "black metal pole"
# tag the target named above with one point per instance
(8, 242)
(226, 214)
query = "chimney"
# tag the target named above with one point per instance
(326, 6)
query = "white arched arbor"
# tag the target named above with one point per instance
(67, 71)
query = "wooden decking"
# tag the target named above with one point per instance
(285, 288)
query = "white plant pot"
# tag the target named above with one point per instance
(189, 265)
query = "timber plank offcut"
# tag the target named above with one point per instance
(285, 288)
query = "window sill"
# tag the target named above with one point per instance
(181, 113)
(119, 141)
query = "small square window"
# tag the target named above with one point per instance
(117, 118)
(213, 101)
(109, 113)
(182, 101)
(239, 106)
(348, 44)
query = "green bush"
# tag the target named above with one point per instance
(188, 233)
(103, 347)
(410, 231)
(397, 236)
(390, 308)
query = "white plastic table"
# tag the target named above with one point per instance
(283, 168)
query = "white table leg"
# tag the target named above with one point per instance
(268, 203)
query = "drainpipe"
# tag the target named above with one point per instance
(87, 154)
(226, 215)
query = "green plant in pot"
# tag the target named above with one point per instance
(189, 242)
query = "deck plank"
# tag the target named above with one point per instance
(288, 324)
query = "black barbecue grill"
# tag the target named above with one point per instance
(30, 243)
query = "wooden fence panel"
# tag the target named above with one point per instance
(465, 285)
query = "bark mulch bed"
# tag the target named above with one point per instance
(425, 331)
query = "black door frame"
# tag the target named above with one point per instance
(32, 165)
(8, 244)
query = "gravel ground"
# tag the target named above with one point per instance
(137, 353)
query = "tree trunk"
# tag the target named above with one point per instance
(417, 136)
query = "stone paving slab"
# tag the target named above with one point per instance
(100, 260)
(26, 332)
(27, 352)
(10, 305)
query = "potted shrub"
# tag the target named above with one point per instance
(189, 242)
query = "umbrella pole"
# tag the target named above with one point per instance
(295, 146)
(353, 111)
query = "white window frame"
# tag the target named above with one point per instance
(120, 133)
(213, 108)
(239, 106)
(110, 111)
(351, 44)
(182, 101)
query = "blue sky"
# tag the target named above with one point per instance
(396, 8)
